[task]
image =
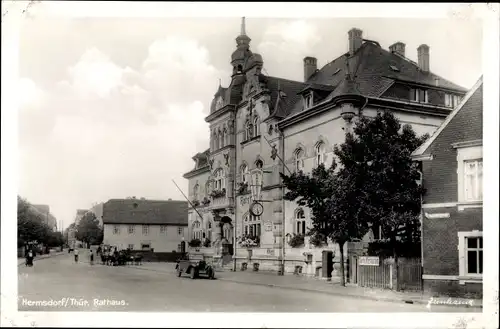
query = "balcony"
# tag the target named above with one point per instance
(219, 199)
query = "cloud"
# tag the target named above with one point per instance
(110, 131)
(285, 45)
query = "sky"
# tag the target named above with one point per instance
(115, 107)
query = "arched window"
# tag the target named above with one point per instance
(196, 189)
(244, 173)
(225, 136)
(259, 164)
(256, 127)
(252, 225)
(248, 131)
(300, 221)
(221, 139)
(197, 231)
(299, 159)
(219, 179)
(320, 153)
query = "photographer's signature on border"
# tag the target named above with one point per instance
(450, 301)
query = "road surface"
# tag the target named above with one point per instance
(58, 284)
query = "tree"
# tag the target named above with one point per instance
(377, 156)
(328, 195)
(88, 229)
(30, 224)
(375, 185)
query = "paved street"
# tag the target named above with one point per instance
(81, 287)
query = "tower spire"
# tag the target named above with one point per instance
(243, 32)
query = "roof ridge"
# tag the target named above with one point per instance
(284, 79)
(422, 148)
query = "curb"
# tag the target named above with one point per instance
(45, 257)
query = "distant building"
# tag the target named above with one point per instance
(48, 218)
(97, 209)
(138, 224)
(79, 215)
(452, 208)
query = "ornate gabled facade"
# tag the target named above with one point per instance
(262, 125)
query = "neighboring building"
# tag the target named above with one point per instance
(79, 215)
(48, 218)
(260, 119)
(138, 224)
(97, 209)
(452, 208)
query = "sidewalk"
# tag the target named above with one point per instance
(301, 283)
(21, 261)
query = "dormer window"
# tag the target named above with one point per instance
(419, 95)
(308, 101)
(451, 100)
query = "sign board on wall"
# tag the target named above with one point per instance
(369, 261)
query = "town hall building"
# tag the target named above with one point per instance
(262, 125)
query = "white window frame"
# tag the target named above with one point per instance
(308, 101)
(252, 225)
(463, 155)
(145, 229)
(299, 226)
(462, 257)
(130, 246)
(116, 229)
(320, 152)
(256, 127)
(180, 231)
(163, 229)
(220, 181)
(131, 229)
(299, 159)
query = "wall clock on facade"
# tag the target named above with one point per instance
(257, 209)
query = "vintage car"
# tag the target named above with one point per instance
(194, 267)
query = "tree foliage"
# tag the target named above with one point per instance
(375, 184)
(32, 227)
(88, 229)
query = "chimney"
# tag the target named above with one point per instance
(423, 57)
(355, 40)
(398, 48)
(310, 66)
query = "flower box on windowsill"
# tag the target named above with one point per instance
(206, 201)
(218, 193)
(195, 203)
(248, 241)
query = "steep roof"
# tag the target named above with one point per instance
(469, 112)
(372, 71)
(136, 211)
(284, 95)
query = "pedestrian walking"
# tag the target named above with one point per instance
(75, 252)
(29, 258)
(91, 257)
